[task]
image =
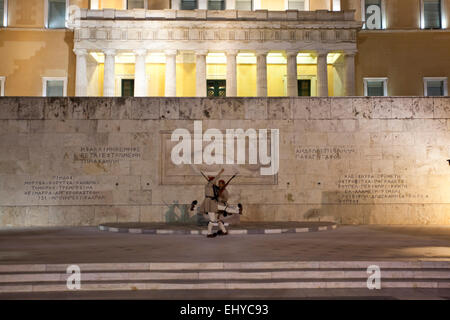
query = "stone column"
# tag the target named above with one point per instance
(200, 73)
(81, 73)
(231, 73)
(109, 73)
(202, 4)
(171, 73)
(322, 74)
(349, 65)
(292, 84)
(230, 5)
(261, 73)
(176, 5)
(140, 73)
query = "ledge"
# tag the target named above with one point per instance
(258, 15)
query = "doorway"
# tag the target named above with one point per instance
(216, 88)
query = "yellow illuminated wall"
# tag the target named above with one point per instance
(186, 86)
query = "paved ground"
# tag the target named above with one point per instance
(288, 294)
(82, 245)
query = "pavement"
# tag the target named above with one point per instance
(346, 243)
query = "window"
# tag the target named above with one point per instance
(3, 13)
(188, 4)
(216, 4)
(56, 14)
(127, 88)
(54, 86)
(135, 4)
(431, 14)
(434, 87)
(373, 14)
(244, 5)
(375, 87)
(304, 87)
(297, 5)
(2, 86)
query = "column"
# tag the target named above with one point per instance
(261, 73)
(230, 4)
(171, 73)
(292, 84)
(200, 73)
(81, 73)
(349, 76)
(231, 73)
(140, 73)
(256, 4)
(176, 5)
(322, 74)
(109, 73)
(202, 4)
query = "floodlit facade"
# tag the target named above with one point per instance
(224, 48)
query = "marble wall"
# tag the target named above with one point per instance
(84, 161)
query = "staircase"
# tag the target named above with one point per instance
(228, 275)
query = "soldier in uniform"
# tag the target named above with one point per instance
(210, 205)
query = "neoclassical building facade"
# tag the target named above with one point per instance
(224, 47)
(229, 36)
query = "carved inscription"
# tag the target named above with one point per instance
(366, 188)
(324, 153)
(62, 188)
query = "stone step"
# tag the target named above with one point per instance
(267, 274)
(227, 285)
(225, 266)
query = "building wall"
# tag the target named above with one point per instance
(85, 161)
(404, 57)
(403, 53)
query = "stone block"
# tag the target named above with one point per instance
(342, 108)
(442, 108)
(319, 108)
(31, 108)
(191, 109)
(232, 109)
(142, 109)
(256, 109)
(210, 109)
(279, 109)
(402, 108)
(57, 108)
(121, 108)
(382, 108)
(169, 108)
(299, 108)
(9, 108)
(422, 108)
(99, 108)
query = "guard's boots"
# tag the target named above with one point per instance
(193, 204)
(212, 235)
(240, 208)
(221, 233)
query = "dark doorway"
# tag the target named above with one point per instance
(304, 88)
(127, 87)
(216, 88)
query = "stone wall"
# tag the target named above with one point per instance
(83, 161)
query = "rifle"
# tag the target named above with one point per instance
(226, 184)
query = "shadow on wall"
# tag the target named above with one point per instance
(337, 206)
(179, 213)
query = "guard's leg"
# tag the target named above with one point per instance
(212, 219)
(222, 231)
